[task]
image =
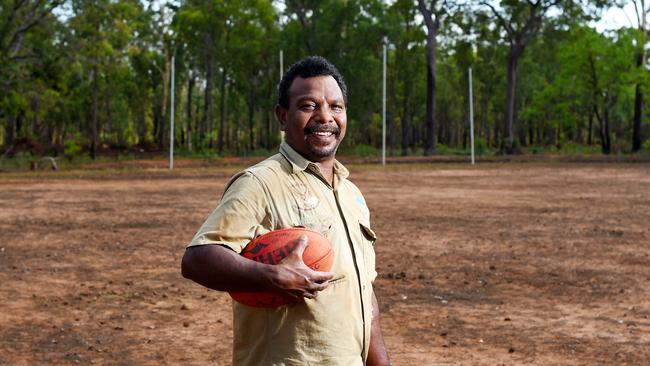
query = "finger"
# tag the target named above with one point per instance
(338, 276)
(315, 288)
(300, 247)
(320, 277)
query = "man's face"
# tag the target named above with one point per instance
(315, 122)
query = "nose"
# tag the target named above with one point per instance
(323, 114)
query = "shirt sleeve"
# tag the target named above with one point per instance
(237, 218)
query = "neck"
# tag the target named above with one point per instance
(327, 169)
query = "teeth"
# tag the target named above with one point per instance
(322, 133)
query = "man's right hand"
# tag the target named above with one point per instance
(292, 276)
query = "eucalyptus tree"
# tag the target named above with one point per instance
(432, 12)
(404, 65)
(599, 73)
(521, 22)
(18, 19)
(642, 12)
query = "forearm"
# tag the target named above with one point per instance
(220, 268)
(377, 354)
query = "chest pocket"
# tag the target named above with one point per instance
(368, 242)
(308, 209)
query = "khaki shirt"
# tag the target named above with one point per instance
(283, 191)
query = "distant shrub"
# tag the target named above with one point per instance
(443, 149)
(363, 150)
(480, 146)
(646, 145)
(72, 148)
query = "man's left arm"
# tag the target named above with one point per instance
(377, 354)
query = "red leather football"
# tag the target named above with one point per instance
(276, 245)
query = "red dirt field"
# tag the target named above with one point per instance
(502, 264)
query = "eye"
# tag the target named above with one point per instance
(337, 108)
(308, 106)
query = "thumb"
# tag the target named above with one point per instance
(301, 245)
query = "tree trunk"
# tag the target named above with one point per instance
(208, 106)
(406, 124)
(165, 94)
(602, 129)
(157, 124)
(590, 134)
(432, 22)
(637, 139)
(267, 120)
(10, 128)
(251, 114)
(496, 129)
(607, 129)
(430, 118)
(190, 90)
(508, 138)
(95, 115)
(142, 124)
(222, 106)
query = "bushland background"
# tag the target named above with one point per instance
(91, 79)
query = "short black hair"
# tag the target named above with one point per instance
(306, 68)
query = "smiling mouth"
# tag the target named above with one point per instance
(322, 131)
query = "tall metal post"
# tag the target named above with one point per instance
(281, 64)
(471, 115)
(171, 111)
(383, 108)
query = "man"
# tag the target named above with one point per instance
(335, 320)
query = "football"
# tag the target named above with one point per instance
(273, 247)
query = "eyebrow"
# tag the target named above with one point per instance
(311, 97)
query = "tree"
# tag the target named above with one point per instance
(642, 13)
(521, 21)
(404, 63)
(17, 20)
(432, 19)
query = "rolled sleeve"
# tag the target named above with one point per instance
(238, 218)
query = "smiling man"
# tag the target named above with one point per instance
(335, 320)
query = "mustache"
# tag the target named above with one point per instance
(316, 127)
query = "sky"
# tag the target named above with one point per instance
(615, 18)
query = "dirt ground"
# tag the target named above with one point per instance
(502, 264)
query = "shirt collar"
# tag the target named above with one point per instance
(299, 163)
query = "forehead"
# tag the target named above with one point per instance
(324, 86)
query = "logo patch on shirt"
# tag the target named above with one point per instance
(305, 199)
(362, 205)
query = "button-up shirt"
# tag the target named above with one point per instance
(288, 190)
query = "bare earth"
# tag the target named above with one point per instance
(513, 264)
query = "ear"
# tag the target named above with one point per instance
(281, 116)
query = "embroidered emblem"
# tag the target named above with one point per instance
(305, 200)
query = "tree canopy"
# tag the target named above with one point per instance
(81, 76)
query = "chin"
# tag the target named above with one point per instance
(322, 153)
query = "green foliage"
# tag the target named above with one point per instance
(71, 148)
(110, 61)
(573, 148)
(646, 145)
(365, 151)
(480, 146)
